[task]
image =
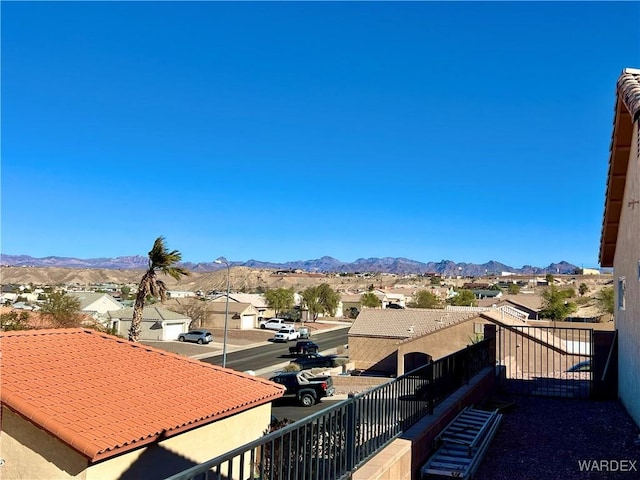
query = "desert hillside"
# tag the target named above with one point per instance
(241, 279)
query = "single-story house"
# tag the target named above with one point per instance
(531, 304)
(158, 323)
(241, 316)
(180, 294)
(397, 341)
(487, 293)
(8, 297)
(256, 299)
(81, 404)
(620, 237)
(350, 304)
(96, 304)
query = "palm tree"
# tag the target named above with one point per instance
(160, 260)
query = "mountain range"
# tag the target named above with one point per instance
(399, 265)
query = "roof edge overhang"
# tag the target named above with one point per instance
(158, 437)
(626, 115)
(97, 454)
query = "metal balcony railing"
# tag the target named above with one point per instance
(337, 440)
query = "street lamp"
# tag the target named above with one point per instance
(222, 260)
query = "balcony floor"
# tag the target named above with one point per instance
(548, 438)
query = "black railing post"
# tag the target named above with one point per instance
(430, 389)
(350, 434)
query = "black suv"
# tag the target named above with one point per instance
(303, 347)
(315, 360)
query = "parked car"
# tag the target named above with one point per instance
(273, 323)
(315, 360)
(304, 347)
(198, 336)
(395, 306)
(286, 334)
(305, 387)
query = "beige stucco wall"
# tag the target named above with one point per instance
(36, 461)
(626, 264)
(374, 353)
(31, 453)
(440, 343)
(388, 353)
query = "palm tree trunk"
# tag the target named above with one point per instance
(138, 308)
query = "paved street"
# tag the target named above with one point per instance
(260, 356)
(263, 358)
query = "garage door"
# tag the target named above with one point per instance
(172, 330)
(248, 322)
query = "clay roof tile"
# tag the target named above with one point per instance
(103, 395)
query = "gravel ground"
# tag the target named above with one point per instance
(547, 438)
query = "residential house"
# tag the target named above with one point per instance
(620, 237)
(256, 299)
(241, 316)
(531, 304)
(158, 323)
(8, 298)
(397, 341)
(487, 293)
(180, 294)
(350, 304)
(77, 403)
(388, 297)
(96, 304)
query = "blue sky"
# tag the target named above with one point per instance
(289, 131)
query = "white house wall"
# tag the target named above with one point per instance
(103, 305)
(627, 268)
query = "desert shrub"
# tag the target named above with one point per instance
(291, 367)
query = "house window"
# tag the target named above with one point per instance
(621, 288)
(478, 328)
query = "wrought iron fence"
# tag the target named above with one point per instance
(546, 360)
(335, 441)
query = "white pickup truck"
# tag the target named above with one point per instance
(273, 324)
(286, 334)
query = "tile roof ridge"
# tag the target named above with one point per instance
(43, 331)
(629, 91)
(165, 353)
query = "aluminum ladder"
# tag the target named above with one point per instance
(462, 444)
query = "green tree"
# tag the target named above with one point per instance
(513, 289)
(425, 299)
(125, 291)
(14, 321)
(606, 300)
(329, 299)
(280, 299)
(369, 299)
(311, 301)
(555, 305)
(549, 278)
(583, 289)
(62, 309)
(321, 299)
(163, 261)
(465, 298)
(435, 280)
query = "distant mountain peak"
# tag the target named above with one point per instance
(397, 265)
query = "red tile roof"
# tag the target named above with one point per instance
(103, 395)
